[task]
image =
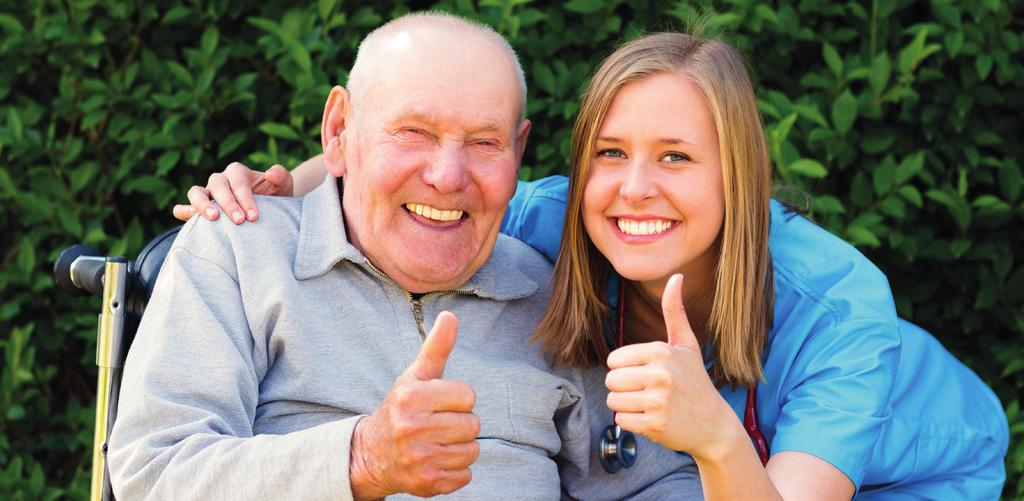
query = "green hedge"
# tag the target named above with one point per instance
(901, 120)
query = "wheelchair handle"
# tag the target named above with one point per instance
(79, 270)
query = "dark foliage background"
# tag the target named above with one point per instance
(900, 118)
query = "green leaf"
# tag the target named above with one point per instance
(325, 8)
(844, 112)
(83, 174)
(584, 6)
(828, 204)
(893, 206)
(910, 194)
(167, 161)
(883, 175)
(146, 184)
(6, 184)
(954, 43)
(809, 168)
(279, 130)
(176, 14)
(983, 64)
(810, 112)
(859, 235)
(11, 24)
(766, 13)
(27, 256)
(915, 52)
(1010, 181)
(832, 59)
(782, 128)
(181, 73)
(544, 77)
(14, 123)
(946, 12)
(909, 167)
(299, 54)
(876, 141)
(230, 143)
(881, 69)
(208, 44)
(956, 205)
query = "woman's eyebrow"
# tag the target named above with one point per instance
(664, 140)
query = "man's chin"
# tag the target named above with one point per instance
(426, 275)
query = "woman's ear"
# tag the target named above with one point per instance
(332, 129)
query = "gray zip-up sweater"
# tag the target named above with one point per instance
(263, 344)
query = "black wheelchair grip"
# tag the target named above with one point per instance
(83, 278)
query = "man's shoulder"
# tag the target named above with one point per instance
(222, 241)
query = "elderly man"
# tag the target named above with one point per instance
(291, 359)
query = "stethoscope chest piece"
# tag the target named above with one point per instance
(618, 449)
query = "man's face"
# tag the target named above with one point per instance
(431, 157)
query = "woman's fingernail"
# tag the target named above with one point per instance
(252, 214)
(211, 213)
(237, 216)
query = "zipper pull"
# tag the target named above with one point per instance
(417, 312)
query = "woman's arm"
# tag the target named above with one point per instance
(233, 189)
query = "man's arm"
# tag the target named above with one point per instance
(188, 403)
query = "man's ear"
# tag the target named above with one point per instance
(331, 131)
(521, 135)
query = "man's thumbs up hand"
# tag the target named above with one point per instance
(422, 438)
(429, 364)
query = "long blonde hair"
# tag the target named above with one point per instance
(573, 326)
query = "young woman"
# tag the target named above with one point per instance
(789, 339)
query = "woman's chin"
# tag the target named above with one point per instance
(636, 273)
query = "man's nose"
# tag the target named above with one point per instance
(447, 172)
(638, 183)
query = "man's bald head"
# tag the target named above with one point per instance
(427, 34)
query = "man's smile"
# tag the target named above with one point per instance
(433, 213)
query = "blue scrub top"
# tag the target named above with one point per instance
(845, 379)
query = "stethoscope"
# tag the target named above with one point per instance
(618, 448)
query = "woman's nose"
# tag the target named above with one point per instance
(637, 185)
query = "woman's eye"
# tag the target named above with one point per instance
(675, 157)
(611, 153)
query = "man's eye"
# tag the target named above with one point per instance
(412, 133)
(486, 142)
(675, 157)
(611, 153)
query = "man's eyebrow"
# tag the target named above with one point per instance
(419, 116)
(429, 119)
(486, 127)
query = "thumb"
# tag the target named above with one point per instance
(676, 324)
(429, 364)
(280, 180)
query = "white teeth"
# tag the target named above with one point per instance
(434, 213)
(646, 227)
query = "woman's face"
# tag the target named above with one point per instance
(653, 203)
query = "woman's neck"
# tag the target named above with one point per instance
(644, 321)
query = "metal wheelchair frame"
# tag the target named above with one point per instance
(125, 287)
